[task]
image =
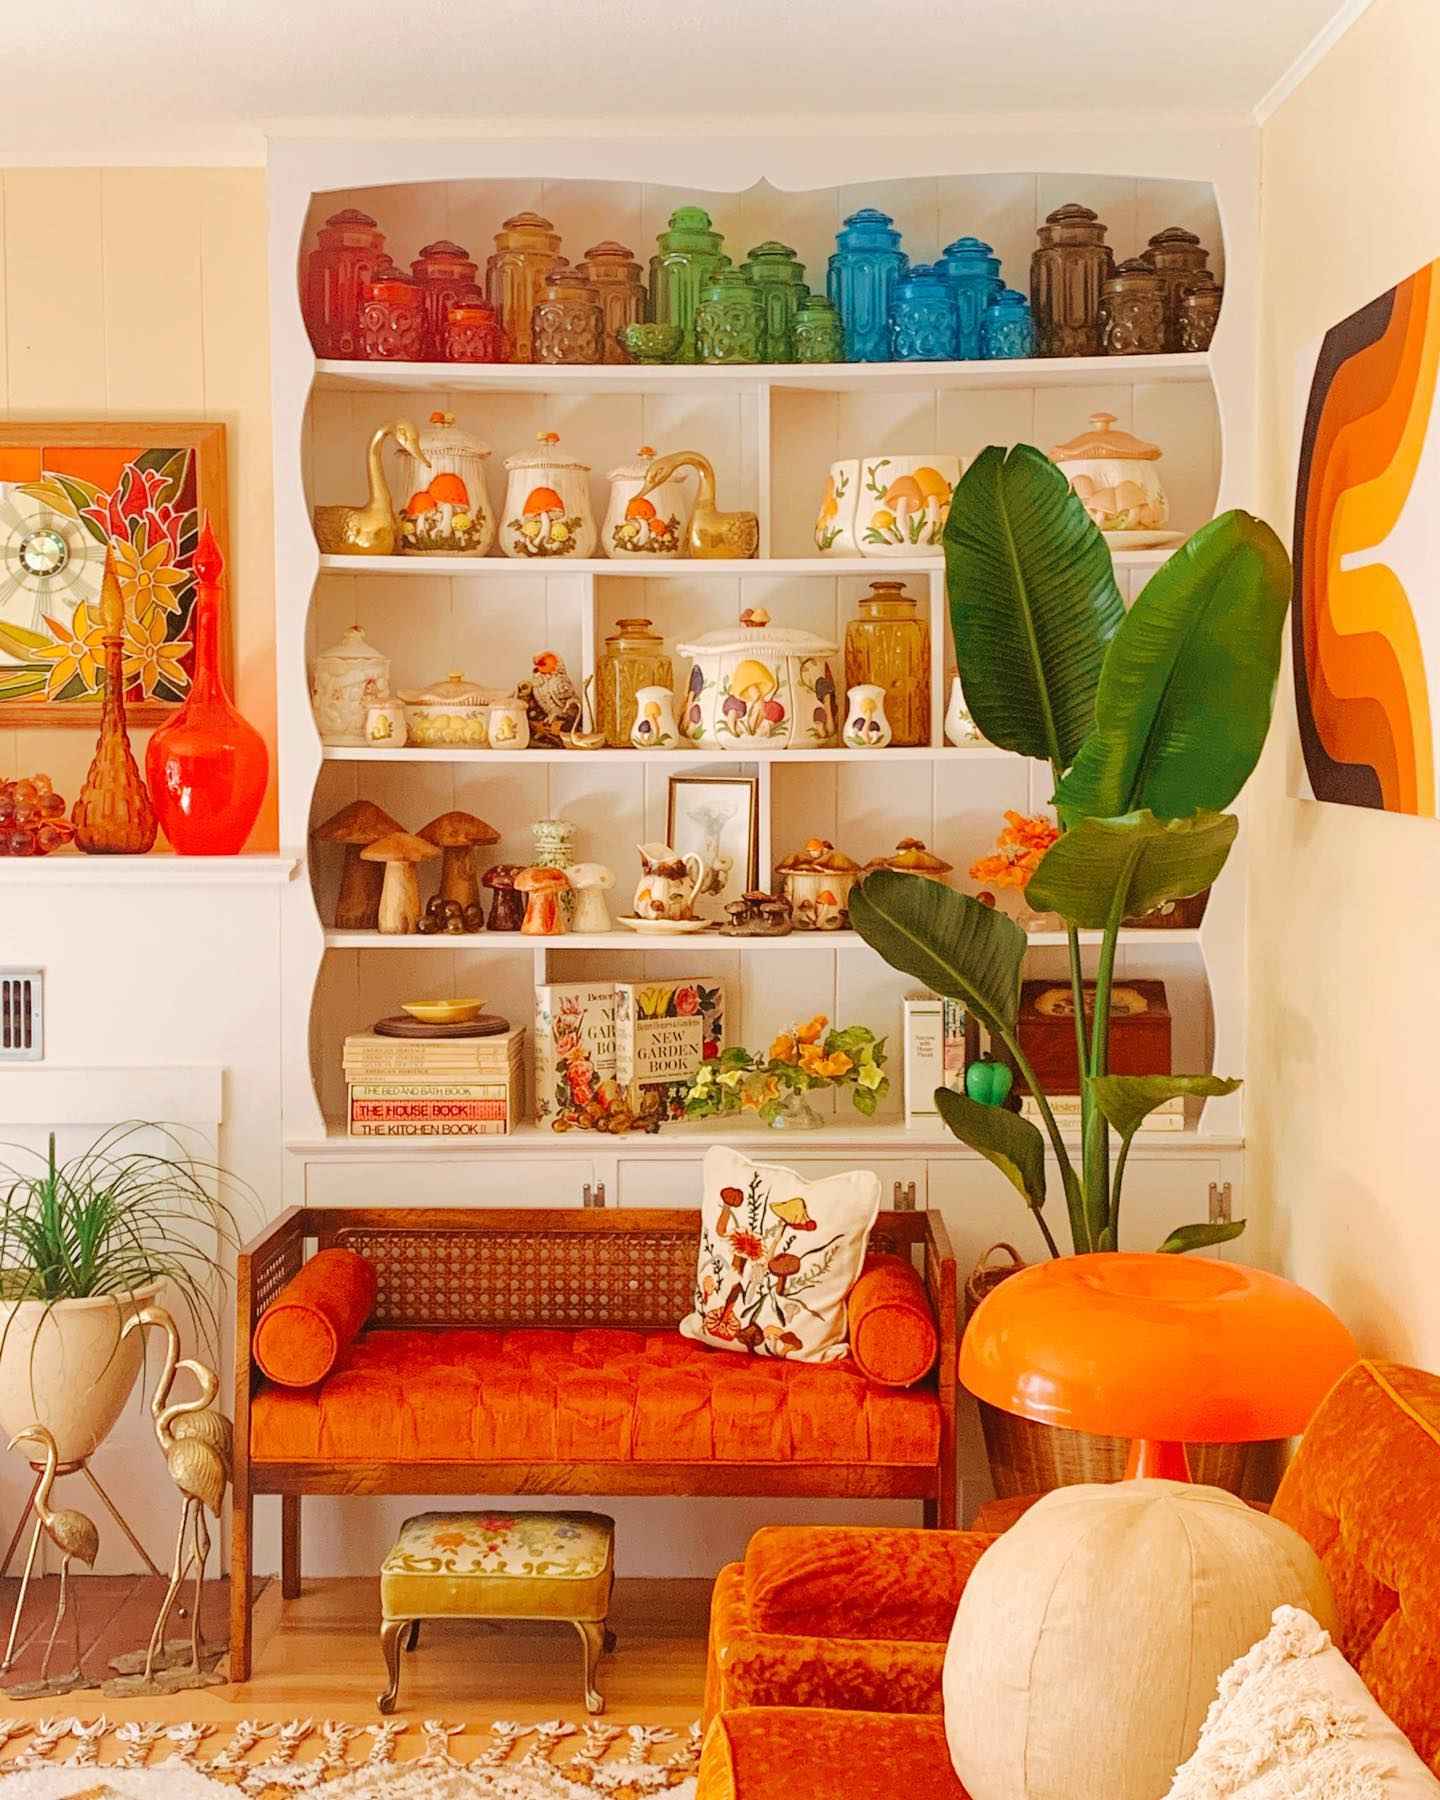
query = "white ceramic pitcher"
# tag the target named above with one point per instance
(668, 883)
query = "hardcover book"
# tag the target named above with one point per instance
(575, 1086)
(664, 1030)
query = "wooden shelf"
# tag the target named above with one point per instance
(703, 381)
(700, 759)
(501, 941)
(67, 868)
(677, 568)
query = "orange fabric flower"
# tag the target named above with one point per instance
(809, 1034)
(783, 1049)
(1019, 850)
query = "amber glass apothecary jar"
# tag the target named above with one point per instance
(889, 645)
(633, 657)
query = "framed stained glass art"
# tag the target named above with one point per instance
(69, 494)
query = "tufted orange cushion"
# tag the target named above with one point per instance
(802, 1753)
(892, 1329)
(590, 1396)
(314, 1317)
(859, 1581)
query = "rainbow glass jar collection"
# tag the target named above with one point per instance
(714, 305)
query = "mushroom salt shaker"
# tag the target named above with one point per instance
(400, 894)
(507, 910)
(455, 835)
(357, 906)
(542, 888)
(591, 881)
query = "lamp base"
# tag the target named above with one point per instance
(1158, 1459)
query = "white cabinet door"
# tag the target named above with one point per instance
(498, 1180)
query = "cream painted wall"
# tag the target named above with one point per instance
(1345, 904)
(140, 294)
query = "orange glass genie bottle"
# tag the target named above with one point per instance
(208, 766)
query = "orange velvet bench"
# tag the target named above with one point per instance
(834, 1639)
(519, 1351)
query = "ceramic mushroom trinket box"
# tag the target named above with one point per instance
(758, 914)
(400, 893)
(817, 880)
(912, 858)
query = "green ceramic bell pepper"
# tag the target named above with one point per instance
(988, 1082)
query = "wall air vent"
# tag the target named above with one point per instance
(22, 1015)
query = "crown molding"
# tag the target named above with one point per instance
(1320, 46)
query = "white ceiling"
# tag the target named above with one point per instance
(203, 80)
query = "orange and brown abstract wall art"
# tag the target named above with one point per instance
(1366, 619)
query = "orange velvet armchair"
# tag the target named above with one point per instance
(827, 1644)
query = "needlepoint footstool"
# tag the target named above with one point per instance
(499, 1565)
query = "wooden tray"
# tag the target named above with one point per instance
(403, 1026)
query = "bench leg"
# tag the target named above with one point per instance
(242, 1524)
(290, 1546)
(412, 1641)
(930, 1514)
(592, 1636)
(391, 1632)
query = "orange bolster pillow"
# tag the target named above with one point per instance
(314, 1317)
(893, 1339)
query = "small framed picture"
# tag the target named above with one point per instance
(717, 818)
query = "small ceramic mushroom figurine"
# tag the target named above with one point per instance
(758, 914)
(357, 906)
(591, 882)
(455, 835)
(507, 909)
(542, 888)
(400, 894)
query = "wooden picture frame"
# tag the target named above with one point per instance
(68, 493)
(743, 872)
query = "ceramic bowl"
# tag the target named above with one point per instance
(652, 343)
(444, 1012)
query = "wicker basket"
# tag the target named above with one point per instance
(1029, 1457)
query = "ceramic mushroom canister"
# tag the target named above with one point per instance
(758, 686)
(1116, 478)
(447, 511)
(547, 504)
(638, 524)
(903, 503)
(346, 681)
(817, 880)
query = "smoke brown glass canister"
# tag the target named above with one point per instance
(568, 324)
(633, 658)
(526, 247)
(446, 274)
(1182, 262)
(620, 288)
(889, 646)
(1132, 311)
(1200, 313)
(1067, 272)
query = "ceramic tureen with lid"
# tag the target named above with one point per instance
(453, 712)
(759, 686)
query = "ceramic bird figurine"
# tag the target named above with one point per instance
(551, 699)
(712, 533)
(371, 529)
(73, 1535)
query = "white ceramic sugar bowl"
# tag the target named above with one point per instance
(547, 505)
(655, 524)
(347, 679)
(1115, 476)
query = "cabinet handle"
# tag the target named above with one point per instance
(904, 1196)
(592, 1196)
(1220, 1207)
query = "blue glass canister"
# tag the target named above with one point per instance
(973, 270)
(922, 317)
(866, 264)
(1007, 329)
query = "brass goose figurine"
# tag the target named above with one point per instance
(371, 529)
(712, 533)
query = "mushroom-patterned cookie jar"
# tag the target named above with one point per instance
(817, 880)
(347, 680)
(547, 504)
(654, 524)
(447, 510)
(1115, 477)
(912, 858)
(903, 503)
(760, 686)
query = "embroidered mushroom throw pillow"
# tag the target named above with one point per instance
(778, 1255)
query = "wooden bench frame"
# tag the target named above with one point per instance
(442, 1268)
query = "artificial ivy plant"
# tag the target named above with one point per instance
(1151, 722)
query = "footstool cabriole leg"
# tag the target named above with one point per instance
(592, 1635)
(391, 1632)
(412, 1639)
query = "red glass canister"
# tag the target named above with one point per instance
(350, 254)
(207, 767)
(446, 274)
(473, 334)
(392, 320)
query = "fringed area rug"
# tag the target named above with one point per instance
(78, 1759)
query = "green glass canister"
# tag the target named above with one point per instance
(687, 256)
(819, 335)
(779, 278)
(730, 321)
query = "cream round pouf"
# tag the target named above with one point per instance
(1090, 1637)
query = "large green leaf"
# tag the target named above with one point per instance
(1104, 868)
(949, 941)
(1126, 1100)
(1200, 1237)
(1033, 603)
(1013, 1144)
(1188, 685)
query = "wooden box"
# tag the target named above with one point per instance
(1139, 1031)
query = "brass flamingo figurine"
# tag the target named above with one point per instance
(712, 532)
(73, 1535)
(197, 1442)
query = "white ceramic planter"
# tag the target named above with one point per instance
(760, 687)
(68, 1368)
(835, 521)
(655, 524)
(903, 502)
(547, 505)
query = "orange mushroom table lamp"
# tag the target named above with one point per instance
(1163, 1350)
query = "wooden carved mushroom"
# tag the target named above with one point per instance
(542, 888)
(400, 894)
(455, 835)
(357, 907)
(507, 912)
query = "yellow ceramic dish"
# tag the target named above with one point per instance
(444, 1012)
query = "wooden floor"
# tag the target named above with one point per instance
(319, 1656)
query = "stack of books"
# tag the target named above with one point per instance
(435, 1087)
(606, 1049)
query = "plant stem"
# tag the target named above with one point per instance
(1115, 1186)
(1079, 1229)
(1097, 1131)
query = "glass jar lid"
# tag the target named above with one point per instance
(1106, 444)
(634, 631)
(547, 456)
(755, 632)
(888, 593)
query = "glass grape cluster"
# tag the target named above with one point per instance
(32, 817)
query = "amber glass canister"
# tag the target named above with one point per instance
(889, 646)
(1067, 271)
(526, 247)
(619, 285)
(446, 275)
(568, 324)
(350, 253)
(633, 658)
